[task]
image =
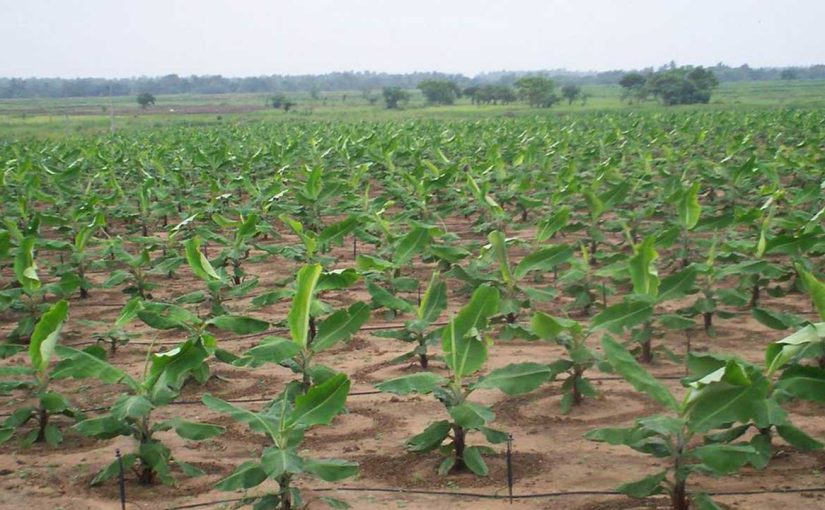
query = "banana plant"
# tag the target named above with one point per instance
(36, 379)
(219, 286)
(418, 331)
(309, 336)
(688, 211)
(284, 421)
(29, 297)
(712, 402)
(80, 259)
(512, 283)
(647, 287)
(465, 353)
(163, 376)
(237, 248)
(137, 272)
(314, 245)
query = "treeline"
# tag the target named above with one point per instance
(346, 81)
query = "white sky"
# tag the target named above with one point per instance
(118, 38)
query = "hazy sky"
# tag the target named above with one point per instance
(118, 38)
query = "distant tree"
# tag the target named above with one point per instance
(145, 99)
(634, 86)
(683, 85)
(571, 93)
(314, 92)
(789, 74)
(439, 91)
(487, 94)
(538, 91)
(394, 95)
(280, 101)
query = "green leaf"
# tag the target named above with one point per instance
(471, 416)
(239, 325)
(198, 262)
(434, 300)
(723, 459)
(772, 319)
(473, 460)
(274, 350)
(255, 421)
(689, 208)
(475, 314)
(247, 475)
(516, 378)
(278, 461)
(499, 246)
(189, 469)
(89, 362)
(191, 430)
(430, 439)
(643, 273)
(422, 382)
(337, 504)
(340, 326)
(113, 469)
(337, 279)
(331, 470)
(337, 231)
(131, 406)
(624, 363)
(166, 316)
(382, 297)
(704, 502)
(814, 288)
(409, 245)
(548, 227)
(804, 382)
(623, 315)
(798, 438)
(549, 328)
(677, 284)
(321, 403)
(544, 259)
(24, 266)
(646, 487)
(45, 335)
(104, 427)
(298, 318)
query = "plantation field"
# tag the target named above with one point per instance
(282, 293)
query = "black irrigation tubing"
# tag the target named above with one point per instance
(540, 495)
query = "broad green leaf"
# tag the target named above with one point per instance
(624, 363)
(430, 439)
(434, 300)
(516, 378)
(383, 297)
(646, 487)
(131, 406)
(814, 288)
(498, 244)
(198, 262)
(555, 223)
(544, 259)
(194, 431)
(723, 459)
(689, 208)
(422, 382)
(643, 273)
(46, 334)
(340, 326)
(798, 438)
(321, 403)
(255, 421)
(549, 328)
(331, 470)
(274, 350)
(89, 362)
(411, 244)
(474, 461)
(238, 324)
(25, 269)
(804, 382)
(278, 461)
(622, 315)
(247, 475)
(471, 416)
(337, 231)
(298, 318)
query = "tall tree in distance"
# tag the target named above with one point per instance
(440, 91)
(538, 91)
(394, 95)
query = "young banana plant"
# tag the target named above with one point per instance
(284, 422)
(465, 353)
(36, 378)
(237, 248)
(309, 336)
(418, 331)
(712, 402)
(218, 285)
(131, 415)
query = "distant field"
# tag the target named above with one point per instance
(92, 115)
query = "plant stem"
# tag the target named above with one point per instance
(459, 444)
